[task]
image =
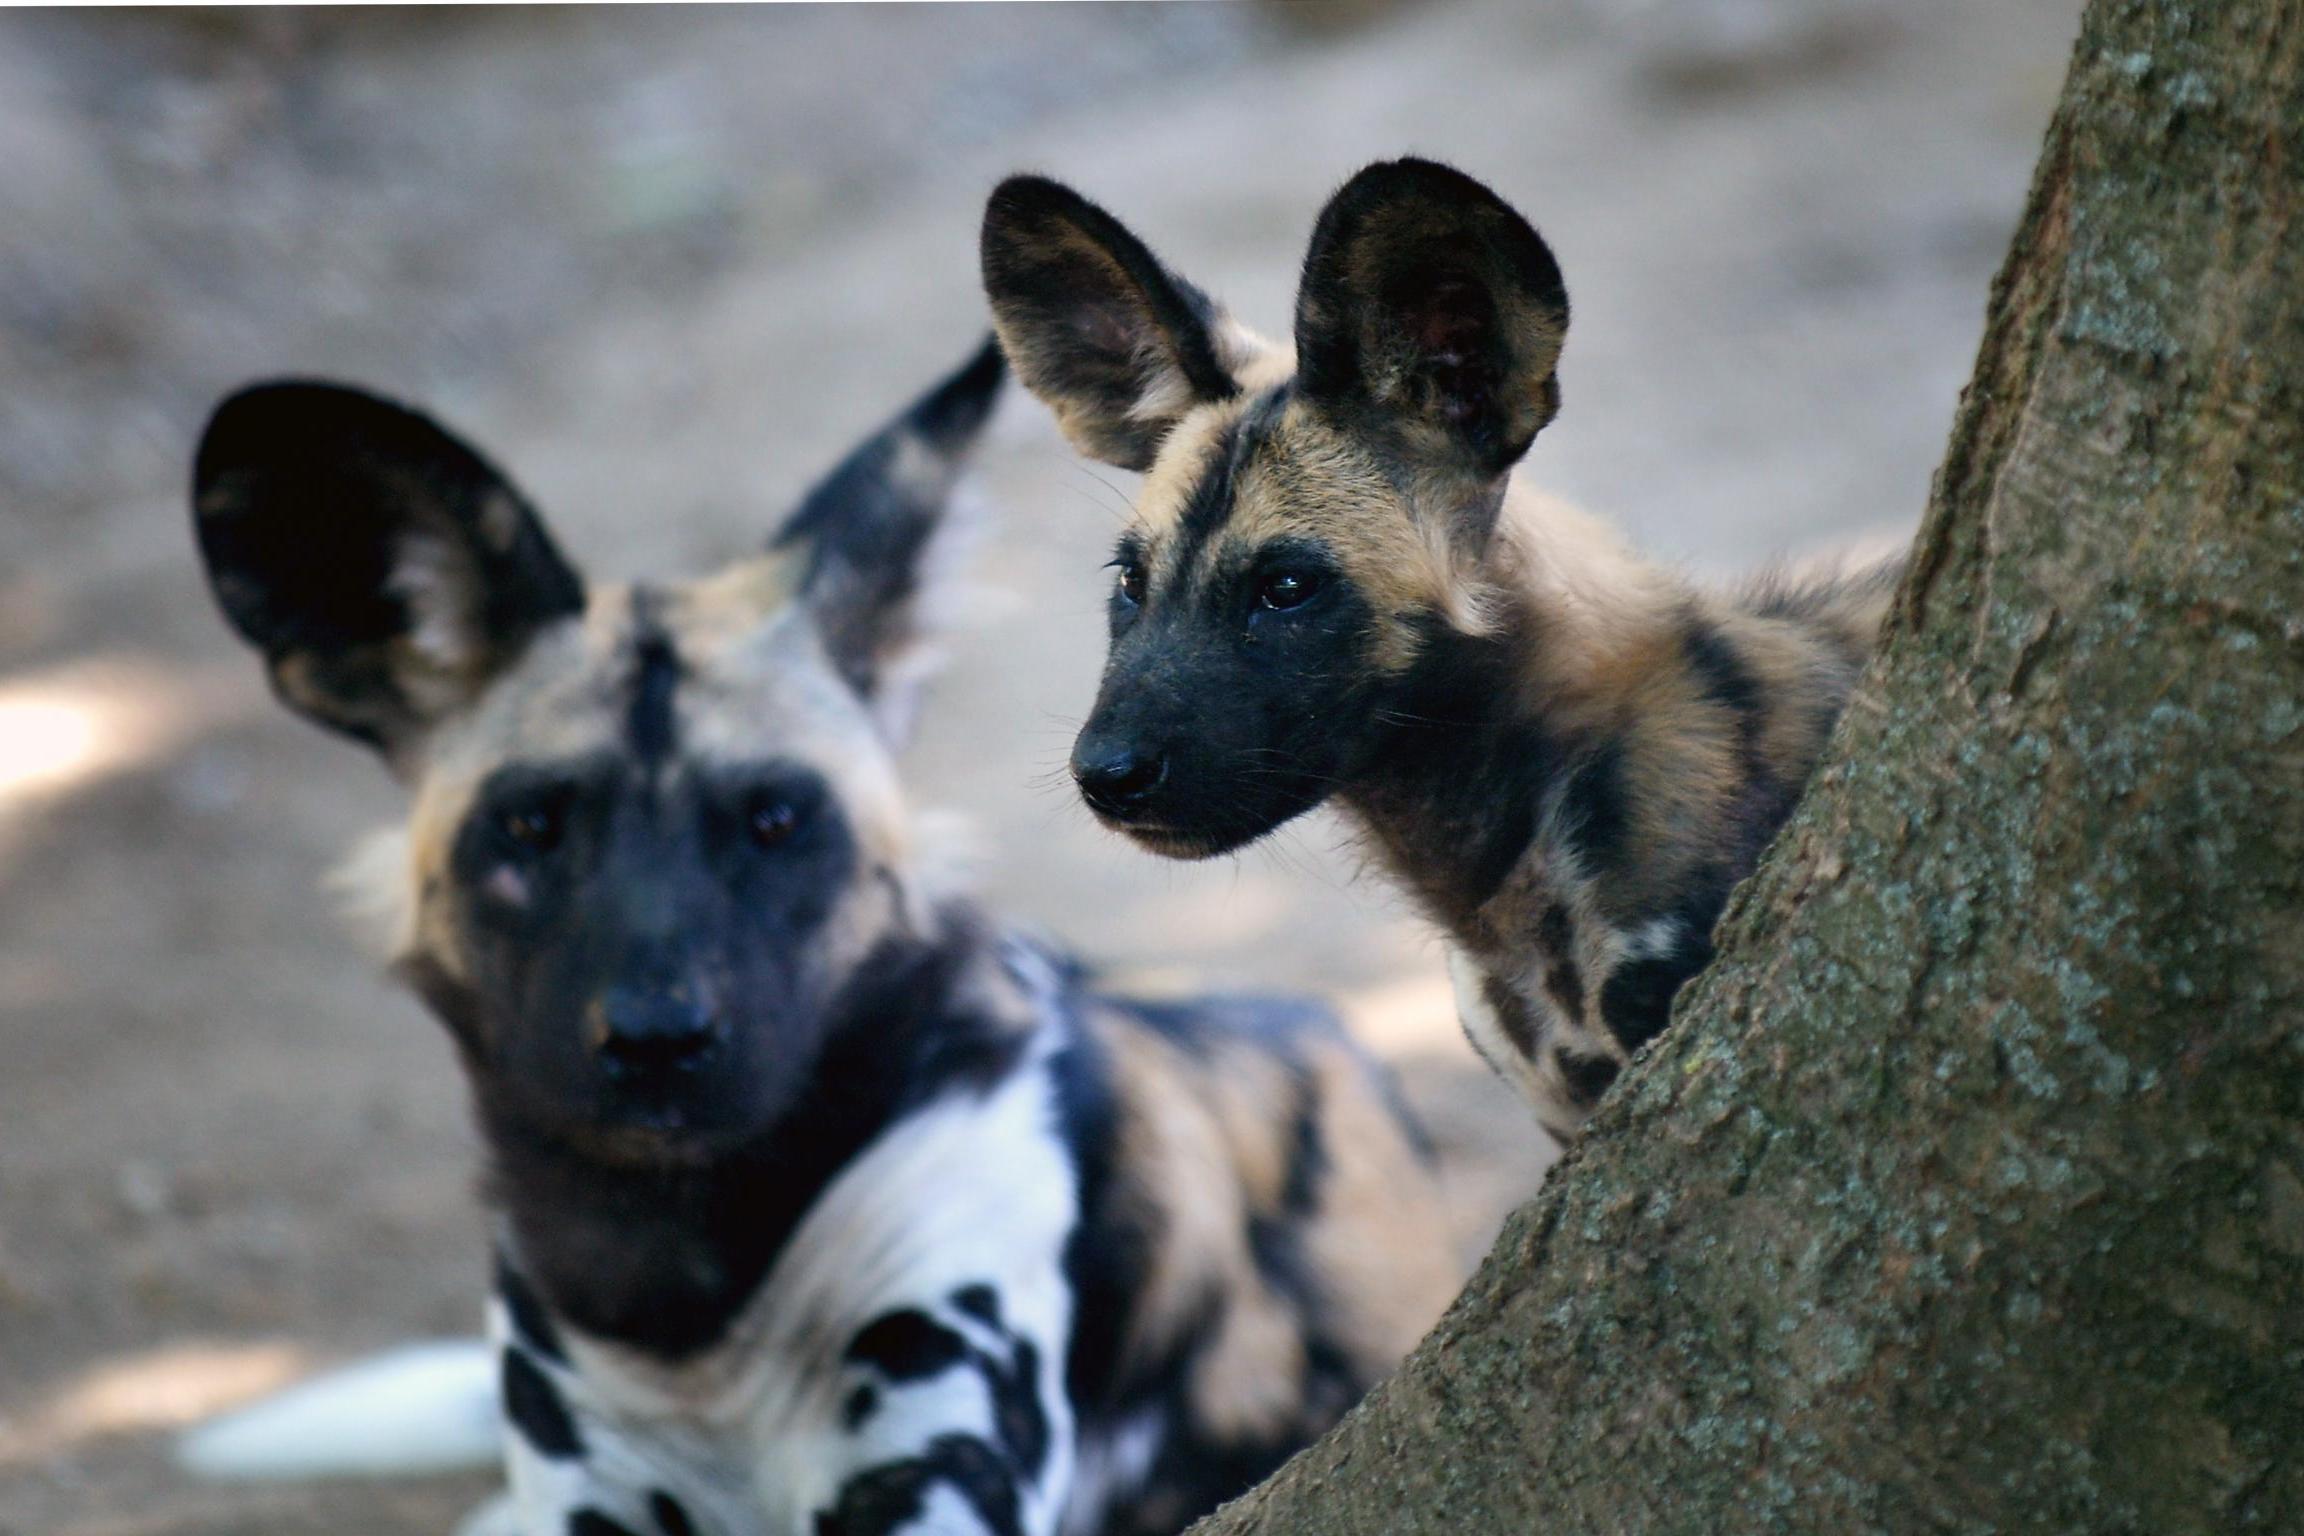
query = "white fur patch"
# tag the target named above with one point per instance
(973, 1189)
(1485, 1030)
(1539, 1078)
(377, 892)
(435, 579)
(1112, 1467)
(1167, 394)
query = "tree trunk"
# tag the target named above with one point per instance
(1967, 1194)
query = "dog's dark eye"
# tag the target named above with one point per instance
(1282, 590)
(537, 825)
(772, 819)
(1131, 580)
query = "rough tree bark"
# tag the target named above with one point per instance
(1967, 1194)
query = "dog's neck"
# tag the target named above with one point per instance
(662, 1260)
(1478, 728)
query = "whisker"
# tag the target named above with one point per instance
(1118, 494)
(1118, 507)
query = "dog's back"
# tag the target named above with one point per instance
(1264, 1240)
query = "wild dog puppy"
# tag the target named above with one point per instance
(827, 1207)
(1331, 588)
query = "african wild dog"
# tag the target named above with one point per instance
(826, 1207)
(1568, 756)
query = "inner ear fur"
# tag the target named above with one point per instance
(1431, 312)
(1116, 344)
(385, 569)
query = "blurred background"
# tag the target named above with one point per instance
(665, 265)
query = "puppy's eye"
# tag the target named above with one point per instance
(538, 825)
(771, 820)
(1130, 584)
(1282, 590)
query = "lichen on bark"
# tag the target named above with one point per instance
(1967, 1191)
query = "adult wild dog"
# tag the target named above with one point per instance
(1332, 588)
(826, 1206)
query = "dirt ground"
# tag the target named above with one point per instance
(667, 264)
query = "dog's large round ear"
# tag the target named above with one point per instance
(879, 535)
(1117, 345)
(1433, 314)
(386, 571)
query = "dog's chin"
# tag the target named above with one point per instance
(1183, 847)
(663, 1136)
(638, 1147)
(1188, 844)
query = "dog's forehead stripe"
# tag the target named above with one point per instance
(1187, 454)
(1221, 455)
(650, 725)
(1210, 500)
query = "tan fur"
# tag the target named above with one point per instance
(1207, 1145)
(1174, 1146)
(1606, 655)
(1185, 455)
(1386, 1293)
(1311, 480)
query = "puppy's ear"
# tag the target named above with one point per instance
(386, 571)
(1095, 326)
(1431, 314)
(876, 532)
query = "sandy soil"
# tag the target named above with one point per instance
(667, 265)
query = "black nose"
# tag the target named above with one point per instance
(646, 1031)
(1116, 779)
